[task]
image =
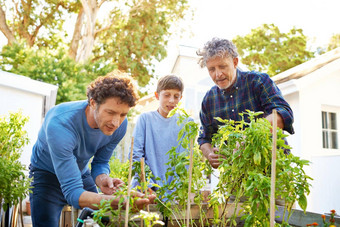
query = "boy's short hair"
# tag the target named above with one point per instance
(170, 82)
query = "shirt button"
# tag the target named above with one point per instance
(232, 110)
(231, 96)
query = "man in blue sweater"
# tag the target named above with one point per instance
(72, 135)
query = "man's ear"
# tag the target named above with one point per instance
(156, 95)
(235, 60)
(92, 104)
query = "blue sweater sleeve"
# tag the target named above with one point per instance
(100, 162)
(61, 142)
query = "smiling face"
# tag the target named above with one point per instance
(108, 116)
(222, 70)
(168, 99)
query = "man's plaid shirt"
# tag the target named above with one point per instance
(253, 91)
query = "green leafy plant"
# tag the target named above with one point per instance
(14, 185)
(137, 173)
(150, 218)
(174, 196)
(245, 171)
(115, 215)
(119, 169)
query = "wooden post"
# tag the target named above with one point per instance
(129, 185)
(190, 178)
(273, 171)
(142, 163)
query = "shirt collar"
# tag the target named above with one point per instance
(233, 87)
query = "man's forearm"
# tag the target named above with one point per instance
(99, 179)
(88, 199)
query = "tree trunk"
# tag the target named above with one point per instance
(5, 29)
(76, 35)
(87, 42)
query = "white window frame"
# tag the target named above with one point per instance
(336, 110)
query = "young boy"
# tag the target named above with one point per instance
(155, 134)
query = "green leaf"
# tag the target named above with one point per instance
(257, 158)
(303, 202)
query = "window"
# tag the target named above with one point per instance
(329, 130)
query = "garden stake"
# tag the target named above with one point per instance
(273, 172)
(144, 180)
(190, 176)
(128, 189)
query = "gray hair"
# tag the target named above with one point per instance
(216, 47)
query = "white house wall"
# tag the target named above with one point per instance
(31, 105)
(294, 140)
(317, 89)
(187, 68)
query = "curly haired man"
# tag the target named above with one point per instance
(74, 135)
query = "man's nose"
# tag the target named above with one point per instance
(218, 73)
(115, 121)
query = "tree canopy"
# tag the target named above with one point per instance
(126, 35)
(268, 50)
(334, 42)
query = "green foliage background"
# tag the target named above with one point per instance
(14, 185)
(131, 36)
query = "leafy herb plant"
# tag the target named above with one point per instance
(174, 196)
(245, 171)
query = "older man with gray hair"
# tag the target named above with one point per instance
(235, 92)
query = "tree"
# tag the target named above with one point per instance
(54, 67)
(131, 35)
(268, 50)
(334, 42)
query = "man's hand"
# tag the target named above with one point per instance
(107, 184)
(211, 154)
(214, 158)
(280, 122)
(140, 201)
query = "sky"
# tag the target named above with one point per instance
(318, 19)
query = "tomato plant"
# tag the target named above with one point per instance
(245, 172)
(175, 195)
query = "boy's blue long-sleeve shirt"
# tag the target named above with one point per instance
(66, 143)
(154, 136)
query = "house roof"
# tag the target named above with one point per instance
(147, 103)
(26, 84)
(307, 67)
(191, 52)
